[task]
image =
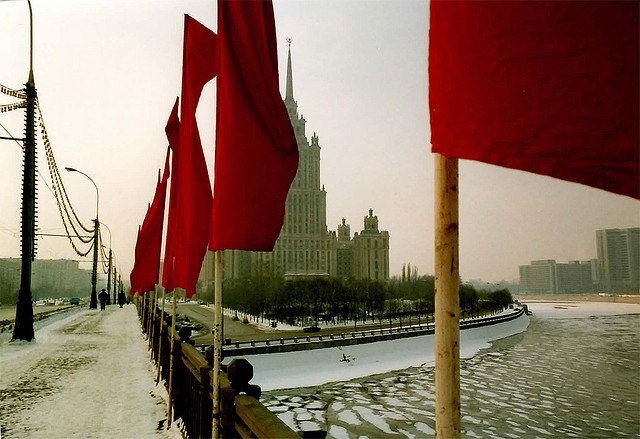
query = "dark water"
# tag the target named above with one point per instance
(562, 378)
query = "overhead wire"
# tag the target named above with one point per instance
(57, 188)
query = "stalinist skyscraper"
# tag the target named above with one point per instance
(305, 247)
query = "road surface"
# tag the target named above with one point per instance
(238, 331)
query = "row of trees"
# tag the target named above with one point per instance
(309, 301)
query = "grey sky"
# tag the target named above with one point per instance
(108, 71)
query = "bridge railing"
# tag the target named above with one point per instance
(242, 415)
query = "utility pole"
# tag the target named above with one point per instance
(109, 280)
(115, 278)
(23, 329)
(93, 303)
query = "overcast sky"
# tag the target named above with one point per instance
(108, 71)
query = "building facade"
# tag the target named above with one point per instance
(50, 278)
(305, 246)
(616, 269)
(538, 277)
(550, 277)
(371, 251)
(618, 260)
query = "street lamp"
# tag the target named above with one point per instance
(23, 328)
(93, 304)
(109, 269)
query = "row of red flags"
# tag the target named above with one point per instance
(546, 87)
(256, 155)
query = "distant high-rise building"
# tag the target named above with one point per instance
(550, 277)
(50, 278)
(305, 246)
(574, 277)
(618, 260)
(616, 269)
(538, 277)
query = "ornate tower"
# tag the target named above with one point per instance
(371, 251)
(305, 246)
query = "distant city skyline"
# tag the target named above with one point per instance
(108, 73)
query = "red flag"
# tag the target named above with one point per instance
(145, 272)
(546, 87)
(256, 151)
(190, 198)
(172, 131)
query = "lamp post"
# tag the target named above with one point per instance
(93, 304)
(109, 269)
(23, 328)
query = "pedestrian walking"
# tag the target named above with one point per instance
(103, 296)
(121, 298)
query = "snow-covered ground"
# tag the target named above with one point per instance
(87, 374)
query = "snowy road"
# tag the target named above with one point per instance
(87, 375)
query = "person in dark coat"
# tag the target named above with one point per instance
(102, 297)
(122, 299)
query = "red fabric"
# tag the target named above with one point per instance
(172, 131)
(256, 155)
(546, 87)
(146, 267)
(190, 200)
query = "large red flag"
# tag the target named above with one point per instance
(172, 131)
(146, 267)
(190, 198)
(546, 87)
(256, 155)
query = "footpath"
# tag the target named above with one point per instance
(87, 375)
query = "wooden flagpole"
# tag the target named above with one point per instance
(152, 315)
(447, 300)
(164, 294)
(171, 357)
(217, 343)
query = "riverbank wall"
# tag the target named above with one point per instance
(312, 367)
(318, 341)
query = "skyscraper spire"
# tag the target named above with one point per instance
(289, 91)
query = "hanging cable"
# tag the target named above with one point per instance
(14, 106)
(22, 147)
(20, 94)
(62, 199)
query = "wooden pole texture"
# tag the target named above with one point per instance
(217, 343)
(164, 296)
(171, 358)
(154, 302)
(447, 300)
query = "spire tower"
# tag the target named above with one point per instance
(288, 97)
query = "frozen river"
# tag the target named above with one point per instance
(573, 373)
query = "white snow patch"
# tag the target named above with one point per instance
(292, 369)
(424, 428)
(337, 432)
(110, 392)
(349, 417)
(574, 310)
(371, 417)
